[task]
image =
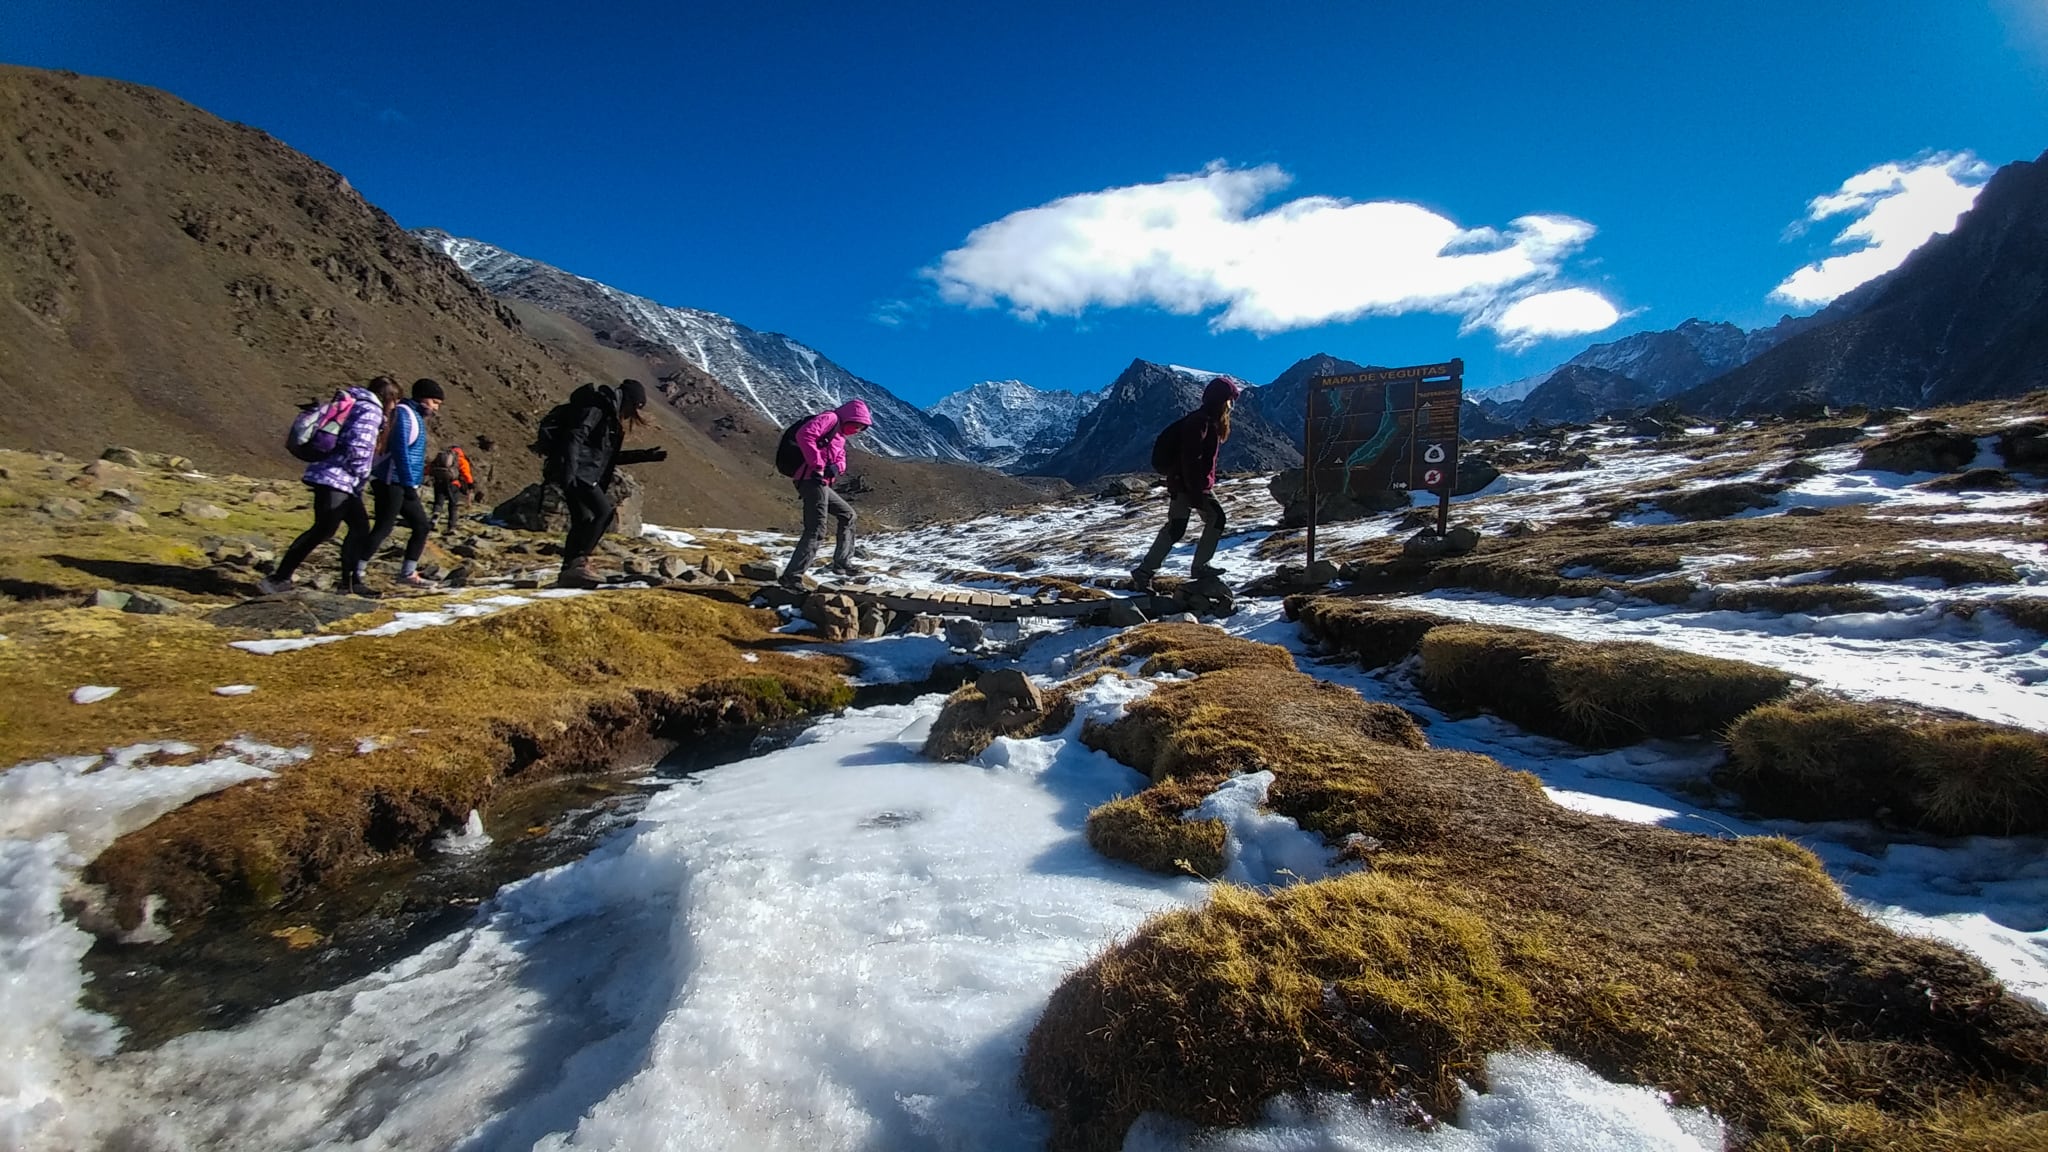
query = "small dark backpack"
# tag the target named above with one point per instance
(789, 459)
(1166, 449)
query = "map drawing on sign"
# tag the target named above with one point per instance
(1386, 429)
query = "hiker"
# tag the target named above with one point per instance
(395, 484)
(486, 467)
(337, 483)
(820, 444)
(581, 440)
(1185, 454)
(453, 481)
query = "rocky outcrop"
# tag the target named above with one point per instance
(540, 508)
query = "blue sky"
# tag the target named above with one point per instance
(1225, 186)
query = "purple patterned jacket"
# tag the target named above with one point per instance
(346, 470)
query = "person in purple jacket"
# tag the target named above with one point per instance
(337, 484)
(1190, 446)
(821, 441)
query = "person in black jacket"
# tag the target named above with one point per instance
(1191, 446)
(589, 453)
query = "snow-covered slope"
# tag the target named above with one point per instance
(784, 378)
(1002, 421)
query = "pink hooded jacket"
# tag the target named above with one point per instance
(822, 442)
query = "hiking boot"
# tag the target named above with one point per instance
(848, 569)
(416, 581)
(272, 586)
(577, 574)
(1141, 579)
(1206, 572)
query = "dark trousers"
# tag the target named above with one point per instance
(1177, 526)
(393, 502)
(445, 492)
(819, 499)
(590, 515)
(331, 509)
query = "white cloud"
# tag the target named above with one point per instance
(1198, 243)
(1563, 312)
(1896, 208)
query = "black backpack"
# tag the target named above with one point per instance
(1166, 450)
(551, 435)
(789, 459)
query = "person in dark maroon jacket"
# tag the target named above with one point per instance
(1186, 455)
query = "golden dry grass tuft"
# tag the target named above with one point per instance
(1376, 633)
(1150, 830)
(1596, 694)
(1730, 973)
(459, 711)
(1820, 757)
(1183, 647)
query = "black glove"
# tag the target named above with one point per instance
(831, 472)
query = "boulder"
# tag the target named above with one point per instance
(922, 625)
(1289, 489)
(672, 567)
(119, 496)
(1975, 480)
(107, 472)
(1118, 613)
(2024, 447)
(1804, 510)
(1208, 597)
(965, 633)
(540, 508)
(759, 570)
(62, 508)
(198, 510)
(714, 567)
(1012, 697)
(1460, 541)
(1321, 572)
(1127, 486)
(1423, 546)
(300, 611)
(1826, 436)
(836, 615)
(167, 461)
(109, 598)
(1474, 472)
(123, 517)
(874, 620)
(126, 457)
(1925, 450)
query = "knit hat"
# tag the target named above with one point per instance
(425, 389)
(1221, 390)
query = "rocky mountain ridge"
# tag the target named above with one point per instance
(1010, 424)
(783, 378)
(1117, 436)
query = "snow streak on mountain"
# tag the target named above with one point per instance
(785, 379)
(1003, 421)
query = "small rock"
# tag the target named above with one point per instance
(119, 496)
(126, 519)
(269, 499)
(965, 633)
(874, 620)
(672, 567)
(6, 473)
(109, 598)
(1423, 546)
(1011, 695)
(151, 604)
(715, 568)
(91, 693)
(1519, 529)
(759, 570)
(1181, 618)
(1120, 613)
(200, 510)
(1804, 510)
(636, 566)
(126, 457)
(1321, 572)
(1460, 541)
(923, 625)
(689, 575)
(724, 576)
(63, 508)
(835, 614)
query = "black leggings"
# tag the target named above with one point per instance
(590, 514)
(331, 509)
(392, 501)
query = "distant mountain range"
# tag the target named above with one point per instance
(784, 379)
(1010, 424)
(1117, 435)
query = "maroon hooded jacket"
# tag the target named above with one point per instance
(1196, 439)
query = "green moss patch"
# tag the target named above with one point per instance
(1819, 757)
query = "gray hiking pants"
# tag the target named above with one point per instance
(1177, 527)
(819, 498)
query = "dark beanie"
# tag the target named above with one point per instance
(634, 393)
(425, 389)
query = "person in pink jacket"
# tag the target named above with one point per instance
(821, 441)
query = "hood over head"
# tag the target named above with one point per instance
(855, 412)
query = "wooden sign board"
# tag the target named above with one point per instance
(1384, 429)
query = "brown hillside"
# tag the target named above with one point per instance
(176, 282)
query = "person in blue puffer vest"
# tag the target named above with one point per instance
(395, 484)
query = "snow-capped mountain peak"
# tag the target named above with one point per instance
(1002, 421)
(786, 379)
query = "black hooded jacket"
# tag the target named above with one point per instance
(590, 447)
